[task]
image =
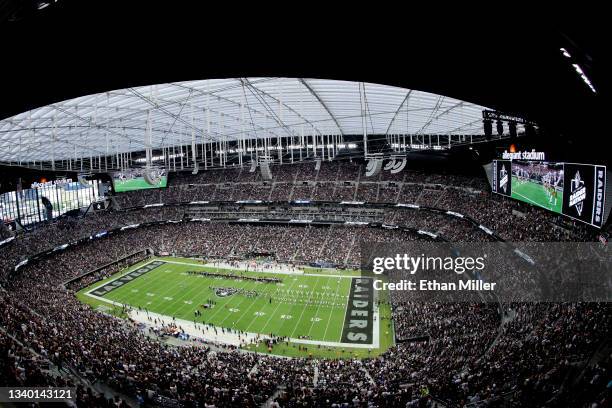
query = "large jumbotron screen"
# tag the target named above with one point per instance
(574, 190)
(134, 180)
(539, 184)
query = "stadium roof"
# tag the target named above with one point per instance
(176, 113)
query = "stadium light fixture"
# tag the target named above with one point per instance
(565, 53)
(43, 4)
(585, 79)
(578, 69)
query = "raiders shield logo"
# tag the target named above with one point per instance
(577, 193)
(503, 179)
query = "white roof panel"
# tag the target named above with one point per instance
(116, 121)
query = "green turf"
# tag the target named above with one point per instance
(136, 184)
(302, 305)
(535, 194)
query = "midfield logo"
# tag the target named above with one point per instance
(503, 181)
(577, 193)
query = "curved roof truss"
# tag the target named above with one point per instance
(174, 114)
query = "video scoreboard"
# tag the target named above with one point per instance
(574, 190)
(134, 179)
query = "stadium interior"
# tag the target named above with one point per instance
(203, 237)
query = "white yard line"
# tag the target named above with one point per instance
(304, 309)
(338, 284)
(312, 323)
(275, 309)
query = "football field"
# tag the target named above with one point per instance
(309, 308)
(535, 194)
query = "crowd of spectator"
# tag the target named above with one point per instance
(287, 184)
(344, 181)
(478, 353)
